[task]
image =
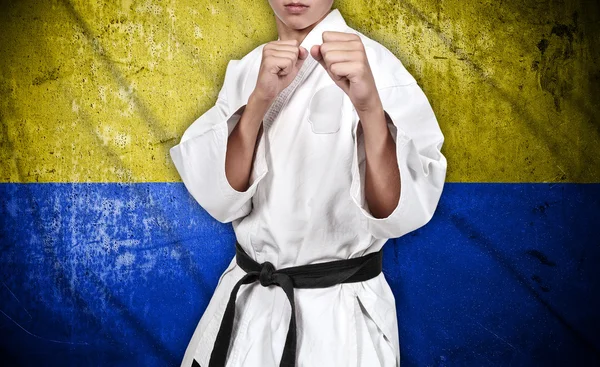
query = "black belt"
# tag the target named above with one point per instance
(319, 275)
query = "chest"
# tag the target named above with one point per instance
(311, 135)
(311, 119)
(308, 129)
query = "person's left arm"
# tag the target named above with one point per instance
(382, 175)
(398, 158)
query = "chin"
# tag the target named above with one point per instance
(298, 21)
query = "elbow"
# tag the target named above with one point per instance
(224, 211)
(223, 216)
(420, 195)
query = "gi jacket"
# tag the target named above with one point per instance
(306, 204)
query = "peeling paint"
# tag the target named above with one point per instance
(115, 267)
(89, 81)
(509, 112)
(512, 83)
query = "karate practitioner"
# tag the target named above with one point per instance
(320, 147)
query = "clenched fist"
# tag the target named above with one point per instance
(280, 63)
(344, 58)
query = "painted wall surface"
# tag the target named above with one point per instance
(106, 260)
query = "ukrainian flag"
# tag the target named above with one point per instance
(106, 260)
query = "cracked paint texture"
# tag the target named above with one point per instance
(105, 258)
(99, 91)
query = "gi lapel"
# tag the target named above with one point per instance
(333, 21)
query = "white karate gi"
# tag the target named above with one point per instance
(306, 204)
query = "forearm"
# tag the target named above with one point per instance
(242, 141)
(382, 176)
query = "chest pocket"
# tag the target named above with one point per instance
(325, 110)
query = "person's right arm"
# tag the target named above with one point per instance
(242, 142)
(200, 157)
(280, 63)
(215, 155)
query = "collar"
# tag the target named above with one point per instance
(333, 21)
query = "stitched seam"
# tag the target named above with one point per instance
(377, 320)
(312, 123)
(204, 346)
(283, 97)
(243, 327)
(397, 85)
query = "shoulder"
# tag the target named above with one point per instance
(240, 74)
(387, 68)
(237, 70)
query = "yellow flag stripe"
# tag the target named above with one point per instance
(99, 91)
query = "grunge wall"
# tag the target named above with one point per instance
(107, 261)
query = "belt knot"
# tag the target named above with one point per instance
(266, 274)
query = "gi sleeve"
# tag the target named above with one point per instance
(422, 166)
(200, 160)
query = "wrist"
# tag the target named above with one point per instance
(372, 112)
(374, 123)
(372, 106)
